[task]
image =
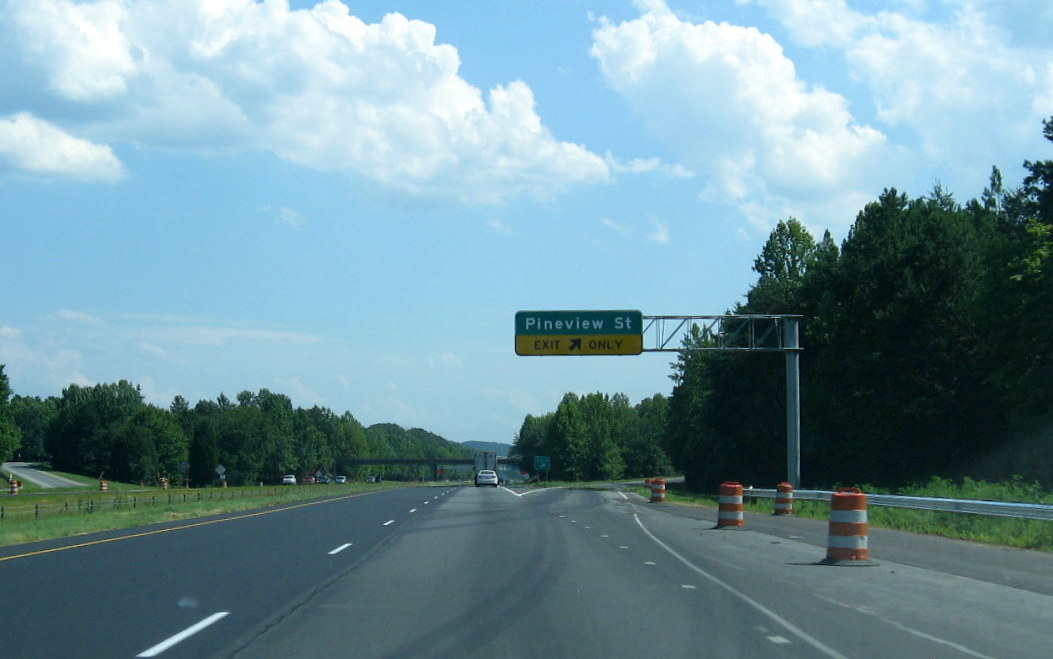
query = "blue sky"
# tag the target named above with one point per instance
(347, 202)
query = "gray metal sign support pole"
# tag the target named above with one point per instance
(793, 401)
(743, 333)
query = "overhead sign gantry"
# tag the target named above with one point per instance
(624, 333)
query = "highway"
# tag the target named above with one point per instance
(28, 472)
(440, 572)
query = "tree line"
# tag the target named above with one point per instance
(596, 437)
(928, 351)
(108, 430)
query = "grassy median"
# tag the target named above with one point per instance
(40, 514)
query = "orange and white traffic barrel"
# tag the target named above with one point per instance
(16, 485)
(729, 510)
(657, 490)
(784, 499)
(104, 486)
(847, 539)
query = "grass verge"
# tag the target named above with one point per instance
(30, 517)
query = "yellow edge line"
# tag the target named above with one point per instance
(180, 528)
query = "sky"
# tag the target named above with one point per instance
(348, 202)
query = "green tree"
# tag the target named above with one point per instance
(566, 440)
(81, 435)
(204, 449)
(785, 258)
(643, 452)
(10, 436)
(531, 440)
(33, 416)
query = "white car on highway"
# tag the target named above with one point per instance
(486, 477)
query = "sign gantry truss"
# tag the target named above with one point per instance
(728, 333)
(741, 333)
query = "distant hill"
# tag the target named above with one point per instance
(391, 440)
(501, 449)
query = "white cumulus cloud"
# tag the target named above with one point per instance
(954, 74)
(729, 101)
(30, 144)
(316, 86)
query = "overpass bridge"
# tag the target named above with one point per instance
(434, 463)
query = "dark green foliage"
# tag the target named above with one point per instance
(10, 435)
(927, 352)
(388, 440)
(107, 430)
(927, 348)
(597, 437)
(33, 416)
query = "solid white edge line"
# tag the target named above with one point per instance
(775, 617)
(186, 633)
(340, 549)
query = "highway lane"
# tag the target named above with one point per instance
(561, 573)
(550, 573)
(122, 593)
(494, 572)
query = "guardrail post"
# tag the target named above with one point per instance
(729, 509)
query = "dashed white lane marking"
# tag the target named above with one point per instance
(771, 615)
(413, 510)
(389, 522)
(688, 586)
(340, 549)
(183, 635)
(649, 563)
(779, 640)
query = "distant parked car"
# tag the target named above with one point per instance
(324, 480)
(308, 480)
(486, 477)
(289, 479)
(340, 480)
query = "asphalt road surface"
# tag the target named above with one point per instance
(467, 572)
(29, 473)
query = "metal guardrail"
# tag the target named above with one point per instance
(971, 506)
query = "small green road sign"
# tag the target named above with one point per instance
(542, 463)
(579, 333)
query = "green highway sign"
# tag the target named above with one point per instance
(542, 463)
(579, 333)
